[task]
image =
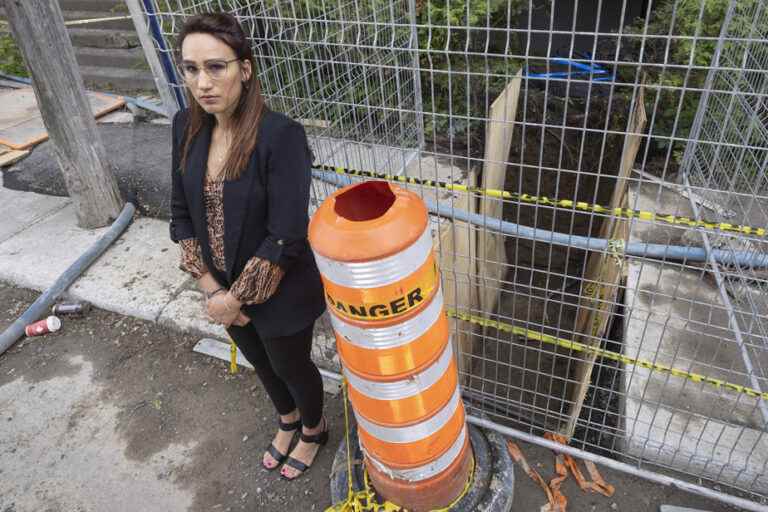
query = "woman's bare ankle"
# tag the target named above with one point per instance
(290, 417)
(316, 429)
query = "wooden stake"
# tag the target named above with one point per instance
(491, 254)
(602, 278)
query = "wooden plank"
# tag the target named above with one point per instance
(492, 256)
(21, 124)
(12, 156)
(454, 244)
(315, 123)
(602, 278)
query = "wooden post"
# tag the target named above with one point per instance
(151, 55)
(38, 28)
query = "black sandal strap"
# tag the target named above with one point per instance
(287, 427)
(275, 453)
(296, 464)
(320, 438)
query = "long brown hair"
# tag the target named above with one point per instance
(251, 105)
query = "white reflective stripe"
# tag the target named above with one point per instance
(397, 335)
(381, 272)
(426, 471)
(405, 388)
(413, 433)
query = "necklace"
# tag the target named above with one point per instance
(225, 150)
(221, 151)
(216, 155)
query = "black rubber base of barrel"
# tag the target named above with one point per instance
(492, 485)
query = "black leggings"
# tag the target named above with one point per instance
(285, 368)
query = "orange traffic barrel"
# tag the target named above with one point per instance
(405, 401)
(395, 348)
(373, 247)
(432, 492)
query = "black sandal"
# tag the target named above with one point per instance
(274, 452)
(320, 439)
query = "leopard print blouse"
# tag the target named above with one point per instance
(258, 280)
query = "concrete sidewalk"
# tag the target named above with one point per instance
(138, 276)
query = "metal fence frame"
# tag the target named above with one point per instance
(599, 108)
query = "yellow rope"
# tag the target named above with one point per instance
(232, 357)
(365, 499)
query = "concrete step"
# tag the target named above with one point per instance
(84, 9)
(116, 6)
(124, 24)
(126, 58)
(117, 79)
(103, 38)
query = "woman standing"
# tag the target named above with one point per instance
(241, 180)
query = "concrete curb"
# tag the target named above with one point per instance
(138, 276)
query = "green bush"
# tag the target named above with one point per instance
(464, 67)
(339, 88)
(687, 21)
(465, 63)
(11, 62)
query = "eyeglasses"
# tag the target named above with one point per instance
(216, 69)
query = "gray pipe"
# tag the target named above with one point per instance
(43, 303)
(656, 251)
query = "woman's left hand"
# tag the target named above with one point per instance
(223, 308)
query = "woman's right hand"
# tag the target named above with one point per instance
(241, 320)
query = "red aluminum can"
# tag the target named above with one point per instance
(44, 326)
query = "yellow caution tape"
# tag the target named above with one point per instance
(624, 213)
(608, 354)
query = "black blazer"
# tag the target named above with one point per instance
(265, 215)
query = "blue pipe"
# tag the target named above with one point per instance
(642, 249)
(164, 54)
(585, 69)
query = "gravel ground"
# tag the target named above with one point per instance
(113, 411)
